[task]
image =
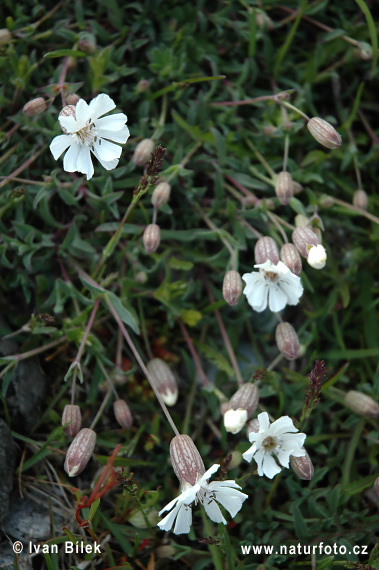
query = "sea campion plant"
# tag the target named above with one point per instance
(217, 259)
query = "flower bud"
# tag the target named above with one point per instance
(186, 460)
(72, 99)
(269, 130)
(301, 221)
(303, 238)
(232, 287)
(142, 86)
(363, 51)
(326, 201)
(138, 520)
(164, 380)
(79, 452)
(73, 415)
(87, 43)
(265, 249)
(165, 551)
(317, 256)
(5, 36)
(142, 153)
(297, 187)
(324, 133)
(67, 111)
(287, 340)
(253, 425)
(302, 466)
(291, 258)
(361, 404)
(161, 194)
(122, 413)
(360, 199)
(234, 420)
(151, 238)
(284, 187)
(247, 398)
(264, 21)
(34, 107)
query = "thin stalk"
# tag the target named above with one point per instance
(255, 232)
(355, 209)
(350, 451)
(213, 227)
(242, 188)
(142, 365)
(286, 150)
(261, 159)
(194, 354)
(293, 108)
(101, 409)
(214, 550)
(35, 351)
(109, 380)
(23, 166)
(276, 361)
(277, 225)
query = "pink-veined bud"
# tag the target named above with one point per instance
(72, 99)
(80, 452)
(303, 238)
(161, 194)
(72, 414)
(67, 111)
(324, 133)
(360, 199)
(246, 397)
(284, 187)
(122, 413)
(142, 153)
(164, 380)
(265, 249)
(34, 107)
(303, 466)
(253, 425)
(291, 258)
(287, 340)
(232, 287)
(361, 404)
(301, 220)
(151, 238)
(186, 460)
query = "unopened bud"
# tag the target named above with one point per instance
(72, 99)
(234, 420)
(161, 194)
(291, 258)
(165, 551)
(265, 249)
(186, 460)
(232, 287)
(164, 380)
(235, 460)
(138, 519)
(324, 133)
(301, 221)
(361, 404)
(360, 199)
(326, 201)
(304, 237)
(67, 111)
(284, 187)
(297, 187)
(151, 238)
(142, 86)
(317, 256)
(287, 340)
(363, 52)
(269, 130)
(247, 398)
(34, 107)
(142, 153)
(5, 36)
(253, 425)
(87, 43)
(264, 21)
(122, 413)
(302, 466)
(72, 414)
(80, 452)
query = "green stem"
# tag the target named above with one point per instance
(351, 447)
(213, 549)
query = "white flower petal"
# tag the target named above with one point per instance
(82, 113)
(100, 105)
(168, 521)
(256, 293)
(258, 458)
(208, 474)
(264, 421)
(283, 456)
(70, 158)
(59, 144)
(234, 420)
(106, 150)
(292, 288)
(120, 136)
(277, 299)
(228, 497)
(213, 510)
(282, 425)
(69, 124)
(114, 122)
(84, 162)
(249, 453)
(108, 165)
(170, 505)
(269, 466)
(183, 520)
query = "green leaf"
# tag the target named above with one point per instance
(64, 52)
(360, 485)
(124, 314)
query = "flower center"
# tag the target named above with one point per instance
(271, 275)
(269, 444)
(86, 135)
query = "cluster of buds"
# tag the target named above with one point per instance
(309, 246)
(287, 340)
(164, 380)
(241, 407)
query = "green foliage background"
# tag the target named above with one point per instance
(190, 57)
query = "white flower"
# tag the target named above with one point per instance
(317, 256)
(234, 420)
(224, 492)
(272, 284)
(279, 439)
(87, 133)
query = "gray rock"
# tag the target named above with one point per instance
(28, 520)
(7, 557)
(25, 395)
(8, 453)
